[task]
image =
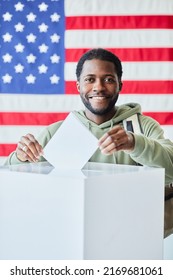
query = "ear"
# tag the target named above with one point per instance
(120, 85)
(78, 86)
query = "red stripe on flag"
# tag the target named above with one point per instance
(26, 118)
(6, 149)
(164, 118)
(119, 22)
(134, 87)
(128, 54)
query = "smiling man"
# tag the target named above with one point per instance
(99, 74)
(99, 87)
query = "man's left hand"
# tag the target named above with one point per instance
(116, 139)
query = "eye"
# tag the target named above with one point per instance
(110, 80)
(89, 80)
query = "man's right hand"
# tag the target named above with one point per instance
(28, 149)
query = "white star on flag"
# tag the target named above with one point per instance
(55, 17)
(7, 37)
(30, 79)
(43, 27)
(7, 58)
(7, 79)
(42, 7)
(54, 79)
(31, 38)
(55, 58)
(43, 48)
(19, 48)
(55, 38)
(42, 69)
(31, 17)
(31, 58)
(7, 16)
(19, 27)
(19, 7)
(19, 68)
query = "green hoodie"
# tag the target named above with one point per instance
(151, 148)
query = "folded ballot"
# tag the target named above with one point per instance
(71, 146)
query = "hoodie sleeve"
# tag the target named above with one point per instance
(152, 149)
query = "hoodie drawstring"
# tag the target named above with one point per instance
(114, 157)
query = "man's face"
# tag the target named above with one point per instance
(99, 86)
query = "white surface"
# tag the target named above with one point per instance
(119, 224)
(168, 248)
(108, 215)
(71, 146)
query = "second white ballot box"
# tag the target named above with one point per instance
(104, 211)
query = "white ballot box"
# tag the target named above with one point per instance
(105, 211)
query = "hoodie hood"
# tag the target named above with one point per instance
(122, 112)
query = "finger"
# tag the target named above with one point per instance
(103, 138)
(109, 149)
(23, 153)
(105, 141)
(127, 142)
(38, 146)
(115, 130)
(29, 149)
(33, 146)
(114, 145)
(115, 138)
(20, 154)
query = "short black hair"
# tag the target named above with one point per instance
(101, 54)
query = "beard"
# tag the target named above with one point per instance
(100, 111)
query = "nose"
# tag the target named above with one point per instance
(98, 85)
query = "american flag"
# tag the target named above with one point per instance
(42, 40)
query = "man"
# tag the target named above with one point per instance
(99, 74)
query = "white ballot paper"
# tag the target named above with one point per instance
(71, 146)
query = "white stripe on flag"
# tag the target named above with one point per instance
(118, 38)
(109, 7)
(67, 103)
(12, 134)
(168, 131)
(39, 103)
(134, 71)
(149, 102)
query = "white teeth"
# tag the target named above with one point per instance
(98, 97)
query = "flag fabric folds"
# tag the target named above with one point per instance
(42, 40)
